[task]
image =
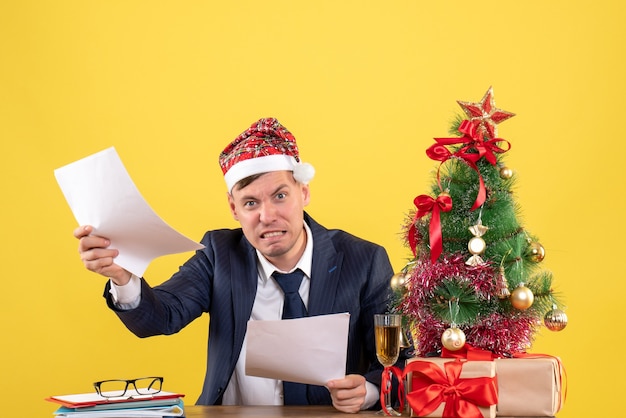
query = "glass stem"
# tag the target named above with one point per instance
(388, 405)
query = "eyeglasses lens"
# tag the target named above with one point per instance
(148, 385)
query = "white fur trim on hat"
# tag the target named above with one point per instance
(302, 172)
(265, 164)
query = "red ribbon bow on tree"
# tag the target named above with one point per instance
(474, 148)
(431, 386)
(425, 205)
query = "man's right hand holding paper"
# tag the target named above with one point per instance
(97, 257)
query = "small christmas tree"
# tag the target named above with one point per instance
(475, 273)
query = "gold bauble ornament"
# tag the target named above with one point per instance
(555, 320)
(398, 281)
(537, 252)
(506, 173)
(522, 297)
(453, 338)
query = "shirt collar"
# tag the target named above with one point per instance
(266, 269)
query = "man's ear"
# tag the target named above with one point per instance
(306, 194)
(231, 205)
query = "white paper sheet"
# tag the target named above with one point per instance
(101, 194)
(309, 350)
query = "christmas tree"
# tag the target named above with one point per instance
(475, 274)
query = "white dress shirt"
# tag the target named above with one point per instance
(268, 305)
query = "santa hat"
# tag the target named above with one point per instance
(265, 146)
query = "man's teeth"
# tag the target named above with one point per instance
(272, 234)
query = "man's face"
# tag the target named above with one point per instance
(270, 211)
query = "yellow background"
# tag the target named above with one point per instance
(364, 86)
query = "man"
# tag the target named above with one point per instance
(235, 278)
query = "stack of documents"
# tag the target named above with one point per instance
(92, 405)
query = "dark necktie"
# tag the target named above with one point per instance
(294, 393)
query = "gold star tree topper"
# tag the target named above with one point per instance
(485, 114)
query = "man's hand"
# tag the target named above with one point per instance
(97, 257)
(348, 394)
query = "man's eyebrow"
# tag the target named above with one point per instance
(280, 187)
(251, 197)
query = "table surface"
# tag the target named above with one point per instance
(195, 411)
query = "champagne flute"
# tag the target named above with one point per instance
(387, 329)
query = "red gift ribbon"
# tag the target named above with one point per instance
(472, 140)
(432, 386)
(425, 205)
(477, 354)
(385, 386)
(469, 352)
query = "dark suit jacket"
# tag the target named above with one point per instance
(348, 275)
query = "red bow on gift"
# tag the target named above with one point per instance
(472, 140)
(469, 352)
(431, 386)
(425, 205)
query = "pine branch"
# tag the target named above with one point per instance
(455, 302)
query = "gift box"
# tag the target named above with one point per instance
(529, 386)
(443, 387)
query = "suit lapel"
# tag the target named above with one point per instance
(325, 270)
(243, 282)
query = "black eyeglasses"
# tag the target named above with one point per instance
(115, 388)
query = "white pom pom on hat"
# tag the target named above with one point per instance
(303, 172)
(265, 146)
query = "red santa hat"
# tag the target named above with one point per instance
(265, 146)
